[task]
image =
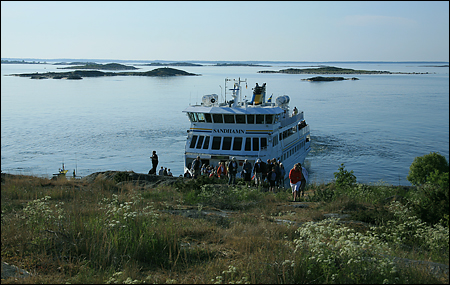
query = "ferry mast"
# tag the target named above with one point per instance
(236, 90)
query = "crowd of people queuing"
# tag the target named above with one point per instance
(271, 171)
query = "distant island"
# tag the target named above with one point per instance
(320, 78)
(5, 61)
(79, 74)
(171, 64)
(241, 64)
(108, 66)
(332, 70)
(445, 65)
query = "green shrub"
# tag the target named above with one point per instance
(439, 178)
(423, 169)
(196, 184)
(408, 229)
(326, 194)
(344, 178)
(431, 204)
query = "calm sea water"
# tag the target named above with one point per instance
(376, 125)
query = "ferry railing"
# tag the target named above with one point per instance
(287, 121)
(303, 131)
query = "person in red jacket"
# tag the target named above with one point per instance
(295, 177)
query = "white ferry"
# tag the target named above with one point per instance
(246, 130)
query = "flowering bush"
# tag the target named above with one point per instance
(230, 276)
(121, 214)
(40, 215)
(335, 252)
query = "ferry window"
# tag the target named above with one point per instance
(201, 118)
(281, 136)
(277, 118)
(216, 142)
(263, 143)
(240, 119)
(248, 144)
(193, 141)
(269, 119)
(260, 119)
(229, 119)
(250, 119)
(206, 143)
(192, 117)
(217, 118)
(226, 143)
(237, 145)
(200, 141)
(208, 118)
(255, 144)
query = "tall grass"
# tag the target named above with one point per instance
(104, 232)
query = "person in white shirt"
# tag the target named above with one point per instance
(304, 180)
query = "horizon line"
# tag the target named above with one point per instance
(234, 61)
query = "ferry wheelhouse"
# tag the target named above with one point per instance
(246, 130)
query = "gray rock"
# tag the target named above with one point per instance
(144, 180)
(9, 271)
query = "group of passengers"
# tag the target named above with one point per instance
(163, 171)
(271, 171)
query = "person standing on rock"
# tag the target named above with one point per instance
(154, 158)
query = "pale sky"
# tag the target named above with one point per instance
(227, 31)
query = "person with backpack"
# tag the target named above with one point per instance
(247, 169)
(196, 167)
(295, 178)
(272, 177)
(221, 170)
(304, 180)
(282, 174)
(258, 169)
(278, 172)
(232, 171)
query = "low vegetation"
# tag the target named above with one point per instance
(202, 231)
